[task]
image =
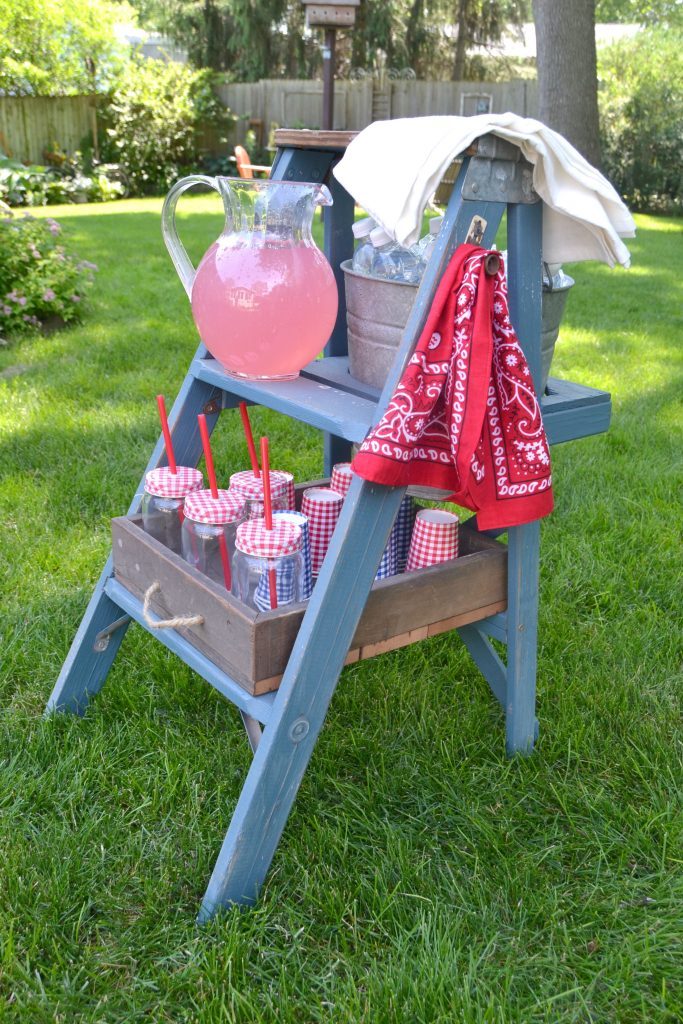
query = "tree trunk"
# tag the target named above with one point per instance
(461, 42)
(567, 72)
(413, 32)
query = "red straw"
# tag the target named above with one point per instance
(267, 501)
(167, 434)
(268, 515)
(227, 577)
(250, 439)
(206, 445)
(211, 473)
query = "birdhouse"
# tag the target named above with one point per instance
(330, 15)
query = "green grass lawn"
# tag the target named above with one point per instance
(422, 876)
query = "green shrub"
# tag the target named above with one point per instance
(641, 116)
(39, 281)
(154, 121)
(35, 185)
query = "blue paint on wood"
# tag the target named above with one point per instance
(338, 246)
(486, 659)
(301, 702)
(522, 618)
(456, 223)
(345, 415)
(337, 221)
(335, 449)
(570, 424)
(496, 626)
(256, 707)
(85, 670)
(334, 370)
(302, 165)
(325, 397)
(524, 239)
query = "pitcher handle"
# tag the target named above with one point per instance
(176, 249)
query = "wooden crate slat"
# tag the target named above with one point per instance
(140, 560)
(253, 647)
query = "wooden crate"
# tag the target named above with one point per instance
(253, 647)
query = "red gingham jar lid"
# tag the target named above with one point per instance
(252, 538)
(250, 486)
(165, 484)
(200, 507)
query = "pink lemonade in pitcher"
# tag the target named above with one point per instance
(264, 297)
(262, 309)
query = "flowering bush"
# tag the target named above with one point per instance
(39, 281)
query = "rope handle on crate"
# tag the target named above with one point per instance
(179, 620)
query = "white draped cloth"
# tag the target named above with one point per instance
(392, 168)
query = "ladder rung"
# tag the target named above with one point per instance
(324, 406)
(256, 707)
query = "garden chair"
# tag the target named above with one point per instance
(245, 168)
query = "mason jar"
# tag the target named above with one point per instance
(268, 567)
(250, 487)
(163, 500)
(208, 533)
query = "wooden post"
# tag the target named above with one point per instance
(328, 78)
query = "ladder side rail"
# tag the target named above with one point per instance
(304, 695)
(87, 664)
(338, 243)
(326, 631)
(525, 227)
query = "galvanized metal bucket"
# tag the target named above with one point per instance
(377, 312)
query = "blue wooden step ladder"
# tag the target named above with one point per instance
(283, 727)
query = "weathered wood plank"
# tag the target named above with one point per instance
(307, 138)
(226, 635)
(470, 587)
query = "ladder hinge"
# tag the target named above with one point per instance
(102, 638)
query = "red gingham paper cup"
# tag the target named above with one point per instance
(290, 497)
(322, 505)
(165, 484)
(342, 476)
(201, 507)
(434, 539)
(252, 538)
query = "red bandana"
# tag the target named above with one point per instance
(465, 416)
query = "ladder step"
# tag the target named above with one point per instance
(256, 707)
(573, 410)
(327, 397)
(319, 404)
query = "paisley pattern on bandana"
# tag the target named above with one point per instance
(465, 415)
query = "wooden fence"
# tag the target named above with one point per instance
(298, 104)
(31, 124)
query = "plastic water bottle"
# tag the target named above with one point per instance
(426, 243)
(554, 277)
(394, 262)
(386, 260)
(365, 251)
(412, 265)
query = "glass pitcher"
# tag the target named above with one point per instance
(263, 297)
